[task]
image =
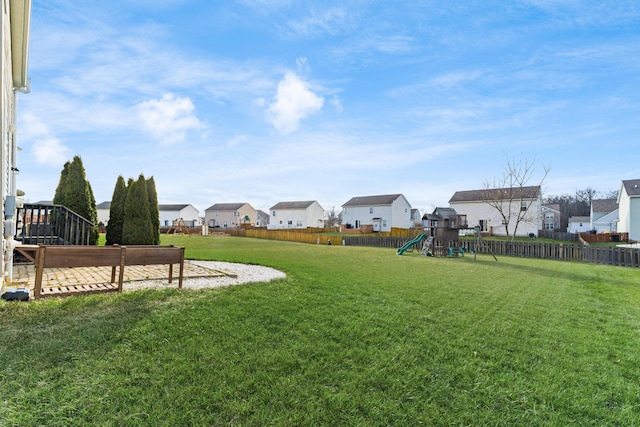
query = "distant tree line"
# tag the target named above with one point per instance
(134, 218)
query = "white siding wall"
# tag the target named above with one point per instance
(400, 214)
(625, 212)
(634, 219)
(103, 215)
(6, 100)
(313, 216)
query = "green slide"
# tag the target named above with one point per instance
(413, 241)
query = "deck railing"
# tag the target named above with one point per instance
(52, 225)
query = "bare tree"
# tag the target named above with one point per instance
(332, 217)
(510, 193)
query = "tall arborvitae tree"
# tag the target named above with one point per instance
(116, 213)
(137, 227)
(58, 198)
(75, 193)
(153, 209)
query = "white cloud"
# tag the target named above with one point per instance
(168, 119)
(294, 101)
(332, 21)
(46, 147)
(49, 150)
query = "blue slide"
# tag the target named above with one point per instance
(417, 239)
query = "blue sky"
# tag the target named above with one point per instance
(264, 101)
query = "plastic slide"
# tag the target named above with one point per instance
(413, 241)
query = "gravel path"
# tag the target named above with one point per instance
(245, 274)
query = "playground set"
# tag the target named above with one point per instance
(441, 234)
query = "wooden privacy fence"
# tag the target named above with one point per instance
(604, 237)
(628, 257)
(116, 257)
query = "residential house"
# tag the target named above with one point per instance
(262, 218)
(629, 208)
(579, 224)
(302, 214)
(604, 215)
(416, 218)
(485, 208)
(230, 215)
(170, 214)
(15, 21)
(551, 217)
(376, 213)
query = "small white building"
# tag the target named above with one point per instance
(302, 214)
(376, 213)
(629, 205)
(579, 224)
(230, 215)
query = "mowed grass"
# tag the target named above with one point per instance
(353, 336)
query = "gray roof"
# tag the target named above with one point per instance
(104, 205)
(444, 212)
(225, 207)
(604, 205)
(385, 199)
(552, 206)
(509, 193)
(632, 187)
(172, 207)
(292, 205)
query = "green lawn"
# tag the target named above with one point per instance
(354, 336)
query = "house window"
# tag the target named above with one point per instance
(524, 206)
(548, 216)
(484, 224)
(549, 225)
(224, 224)
(298, 223)
(370, 210)
(273, 213)
(384, 222)
(290, 223)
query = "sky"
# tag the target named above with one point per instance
(262, 101)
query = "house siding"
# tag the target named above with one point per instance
(629, 213)
(232, 218)
(396, 214)
(189, 214)
(311, 216)
(13, 74)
